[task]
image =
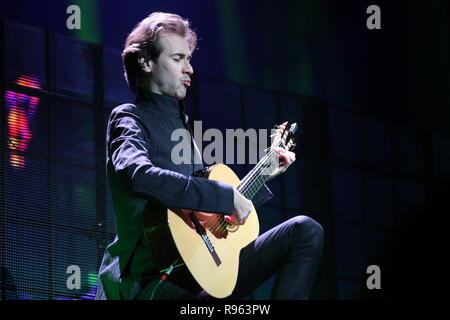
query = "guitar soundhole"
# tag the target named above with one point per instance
(231, 227)
(219, 226)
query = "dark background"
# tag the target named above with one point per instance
(373, 108)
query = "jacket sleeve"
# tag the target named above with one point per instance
(129, 157)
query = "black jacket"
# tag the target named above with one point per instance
(141, 177)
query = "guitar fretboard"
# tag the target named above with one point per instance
(256, 178)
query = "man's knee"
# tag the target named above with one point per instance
(308, 228)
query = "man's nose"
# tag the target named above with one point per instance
(188, 68)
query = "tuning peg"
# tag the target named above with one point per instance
(294, 127)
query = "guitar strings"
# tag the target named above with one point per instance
(246, 184)
(249, 178)
(253, 177)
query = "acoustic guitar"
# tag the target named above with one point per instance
(209, 244)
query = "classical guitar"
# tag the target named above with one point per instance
(209, 244)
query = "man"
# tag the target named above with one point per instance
(144, 181)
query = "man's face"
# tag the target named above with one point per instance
(170, 74)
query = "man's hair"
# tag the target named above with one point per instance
(143, 42)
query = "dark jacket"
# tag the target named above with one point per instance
(142, 177)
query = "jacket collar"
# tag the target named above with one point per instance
(164, 104)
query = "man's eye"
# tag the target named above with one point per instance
(176, 59)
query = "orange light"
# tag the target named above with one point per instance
(28, 81)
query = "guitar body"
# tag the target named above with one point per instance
(209, 244)
(216, 274)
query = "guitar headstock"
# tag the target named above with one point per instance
(287, 138)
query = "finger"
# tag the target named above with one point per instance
(277, 132)
(283, 155)
(287, 154)
(291, 156)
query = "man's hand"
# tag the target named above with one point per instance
(285, 157)
(242, 207)
(211, 221)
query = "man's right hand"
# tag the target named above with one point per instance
(242, 207)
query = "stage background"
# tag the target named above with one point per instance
(373, 107)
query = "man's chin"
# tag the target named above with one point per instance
(180, 95)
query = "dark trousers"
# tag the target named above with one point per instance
(291, 251)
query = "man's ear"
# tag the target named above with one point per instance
(144, 65)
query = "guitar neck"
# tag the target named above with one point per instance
(256, 178)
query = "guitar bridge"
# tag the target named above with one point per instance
(201, 231)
